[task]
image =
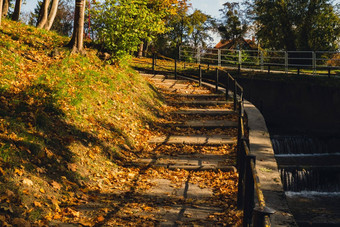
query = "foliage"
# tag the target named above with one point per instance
(120, 25)
(199, 26)
(232, 27)
(184, 29)
(296, 24)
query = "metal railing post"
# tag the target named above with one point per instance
(175, 69)
(235, 95)
(241, 171)
(286, 61)
(262, 68)
(249, 196)
(200, 75)
(227, 88)
(314, 62)
(217, 79)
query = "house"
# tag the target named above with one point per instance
(237, 44)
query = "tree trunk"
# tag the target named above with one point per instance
(0, 11)
(43, 14)
(76, 42)
(5, 7)
(146, 49)
(17, 10)
(140, 51)
(52, 14)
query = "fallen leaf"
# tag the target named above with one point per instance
(72, 166)
(56, 185)
(100, 219)
(37, 204)
(20, 172)
(42, 190)
(27, 182)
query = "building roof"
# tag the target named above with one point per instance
(230, 44)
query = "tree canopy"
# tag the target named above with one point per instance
(121, 24)
(296, 24)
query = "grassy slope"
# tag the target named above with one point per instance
(65, 122)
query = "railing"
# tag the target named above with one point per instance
(308, 62)
(248, 183)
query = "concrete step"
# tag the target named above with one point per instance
(169, 81)
(200, 102)
(191, 90)
(188, 162)
(207, 124)
(205, 111)
(199, 96)
(157, 76)
(194, 140)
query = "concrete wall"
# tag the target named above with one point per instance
(295, 106)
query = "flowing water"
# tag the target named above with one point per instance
(310, 174)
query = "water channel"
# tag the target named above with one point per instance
(310, 174)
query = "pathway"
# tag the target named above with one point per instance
(195, 146)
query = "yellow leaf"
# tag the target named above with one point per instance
(100, 219)
(37, 204)
(56, 185)
(42, 190)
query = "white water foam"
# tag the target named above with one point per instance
(311, 194)
(307, 155)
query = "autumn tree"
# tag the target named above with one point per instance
(158, 7)
(77, 40)
(198, 29)
(121, 25)
(168, 43)
(296, 24)
(232, 26)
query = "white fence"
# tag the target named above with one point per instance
(314, 61)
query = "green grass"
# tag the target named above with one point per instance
(62, 110)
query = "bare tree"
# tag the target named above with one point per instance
(77, 40)
(5, 6)
(52, 15)
(43, 15)
(17, 10)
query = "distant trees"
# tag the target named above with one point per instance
(185, 28)
(232, 26)
(296, 24)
